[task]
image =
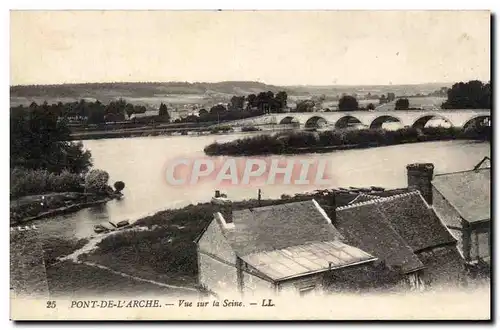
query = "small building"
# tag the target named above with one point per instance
(147, 115)
(462, 200)
(290, 247)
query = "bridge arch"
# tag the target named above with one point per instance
(316, 121)
(476, 121)
(289, 120)
(379, 121)
(346, 121)
(423, 120)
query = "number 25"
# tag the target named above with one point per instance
(51, 304)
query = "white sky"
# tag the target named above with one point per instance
(282, 48)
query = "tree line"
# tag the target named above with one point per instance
(90, 112)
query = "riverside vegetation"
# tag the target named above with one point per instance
(48, 174)
(305, 142)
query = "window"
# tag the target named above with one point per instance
(306, 290)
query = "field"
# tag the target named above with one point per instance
(416, 102)
(202, 94)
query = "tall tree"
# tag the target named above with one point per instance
(163, 113)
(281, 99)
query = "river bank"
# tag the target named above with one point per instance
(325, 141)
(29, 208)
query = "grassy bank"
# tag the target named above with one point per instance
(305, 142)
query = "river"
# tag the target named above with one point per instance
(141, 163)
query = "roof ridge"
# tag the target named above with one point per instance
(266, 207)
(377, 200)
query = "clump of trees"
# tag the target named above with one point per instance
(348, 103)
(40, 140)
(92, 112)
(402, 104)
(470, 95)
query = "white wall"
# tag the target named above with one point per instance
(255, 285)
(216, 261)
(217, 276)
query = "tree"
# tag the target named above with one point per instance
(202, 113)
(96, 181)
(237, 102)
(281, 100)
(119, 186)
(163, 113)
(218, 109)
(348, 103)
(470, 95)
(305, 106)
(39, 140)
(252, 101)
(402, 104)
(370, 106)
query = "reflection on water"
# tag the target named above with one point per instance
(140, 163)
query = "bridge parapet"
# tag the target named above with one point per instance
(456, 117)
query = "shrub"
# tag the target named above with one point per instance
(96, 181)
(119, 186)
(25, 182)
(250, 129)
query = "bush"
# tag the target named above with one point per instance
(25, 182)
(119, 186)
(250, 129)
(96, 181)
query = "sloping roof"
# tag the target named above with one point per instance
(366, 227)
(468, 192)
(306, 259)
(279, 226)
(393, 228)
(415, 221)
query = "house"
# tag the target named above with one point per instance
(462, 200)
(412, 245)
(373, 242)
(149, 114)
(277, 249)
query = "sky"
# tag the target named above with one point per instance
(275, 47)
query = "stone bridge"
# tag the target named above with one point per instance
(373, 119)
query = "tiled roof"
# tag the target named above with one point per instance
(393, 228)
(279, 226)
(364, 225)
(415, 221)
(468, 192)
(306, 259)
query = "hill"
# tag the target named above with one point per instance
(154, 93)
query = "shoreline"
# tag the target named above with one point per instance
(73, 207)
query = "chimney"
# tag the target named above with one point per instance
(224, 206)
(420, 178)
(226, 210)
